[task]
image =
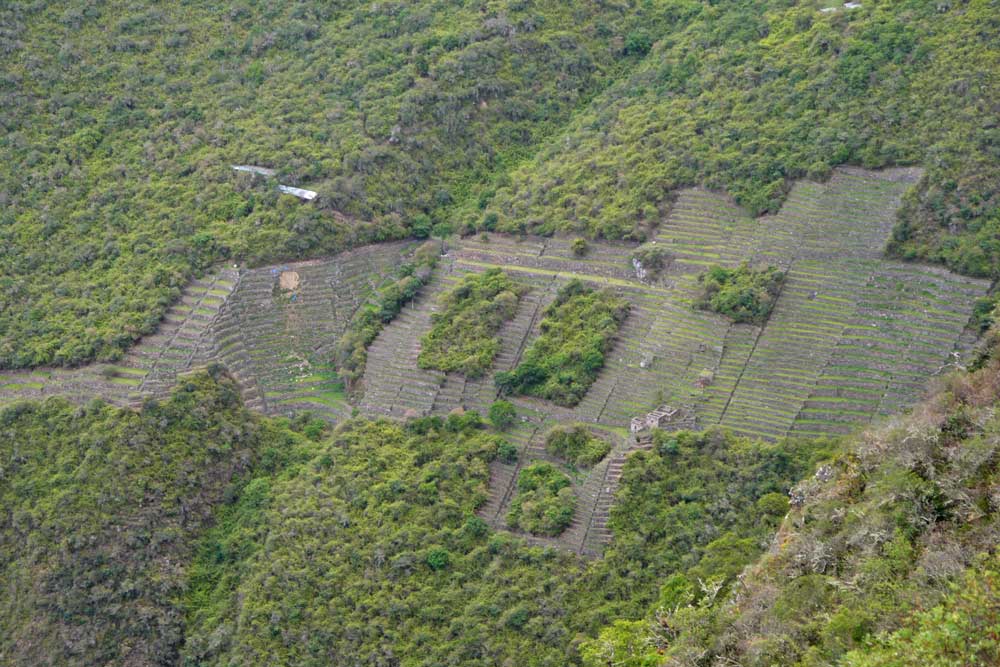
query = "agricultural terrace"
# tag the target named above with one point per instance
(274, 328)
(851, 336)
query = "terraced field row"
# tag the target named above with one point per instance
(181, 341)
(852, 335)
(276, 341)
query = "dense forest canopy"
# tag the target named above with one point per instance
(195, 532)
(745, 96)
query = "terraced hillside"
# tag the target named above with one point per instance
(276, 341)
(852, 335)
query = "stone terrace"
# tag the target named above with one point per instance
(852, 336)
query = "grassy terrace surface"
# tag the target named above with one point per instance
(852, 335)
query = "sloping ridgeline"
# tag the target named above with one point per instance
(874, 541)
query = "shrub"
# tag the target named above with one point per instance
(650, 260)
(502, 414)
(564, 360)
(463, 336)
(438, 558)
(371, 318)
(637, 43)
(579, 246)
(576, 444)
(961, 630)
(984, 313)
(507, 453)
(742, 294)
(545, 503)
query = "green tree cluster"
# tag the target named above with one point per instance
(963, 629)
(577, 330)
(103, 508)
(545, 502)
(576, 444)
(746, 96)
(863, 568)
(649, 260)
(369, 552)
(463, 336)
(121, 121)
(502, 414)
(742, 294)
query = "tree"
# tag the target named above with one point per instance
(502, 414)
(621, 644)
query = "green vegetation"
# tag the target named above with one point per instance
(747, 96)
(578, 329)
(365, 542)
(120, 123)
(102, 508)
(576, 444)
(865, 560)
(369, 549)
(742, 294)
(649, 260)
(191, 531)
(964, 629)
(371, 318)
(545, 501)
(541, 116)
(463, 337)
(697, 507)
(502, 414)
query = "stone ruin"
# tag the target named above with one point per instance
(663, 417)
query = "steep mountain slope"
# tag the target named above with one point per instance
(100, 511)
(121, 121)
(165, 319)
(878, 535)
(747, 96)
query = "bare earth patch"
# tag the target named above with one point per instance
(289, 280)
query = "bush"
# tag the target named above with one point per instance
(544, 503)
(577, 330)
(507, 453)
(742, 294)
(961, 630)
(438, 558)
(650, 260)
(576, 444)
(579, 246)
(502, 414)
(463, 335)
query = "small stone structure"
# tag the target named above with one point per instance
(661, 417)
